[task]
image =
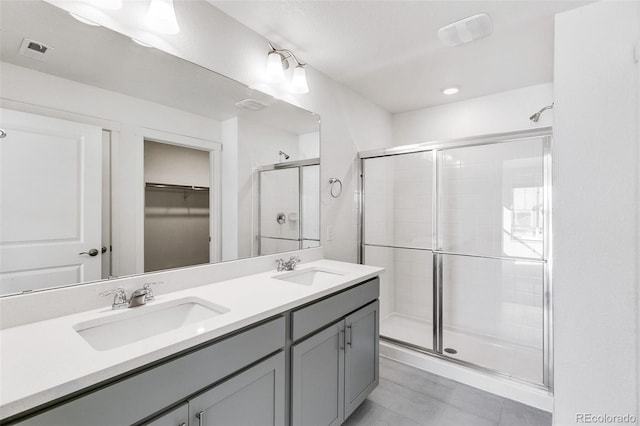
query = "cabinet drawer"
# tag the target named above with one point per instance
(312, 317)
(137, 397)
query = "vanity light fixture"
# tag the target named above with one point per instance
(299, 80)
(451, 90)
(278, 62)
(161, 17)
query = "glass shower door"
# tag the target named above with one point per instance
(492, 254)
(397, 235)
(279, 217)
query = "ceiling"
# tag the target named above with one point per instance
(389, 50)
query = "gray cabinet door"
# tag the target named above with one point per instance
(176, 417)
(254, 397)
(361, 356)
(317, 378)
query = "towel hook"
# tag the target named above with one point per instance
(333, 181)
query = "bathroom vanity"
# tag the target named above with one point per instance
(274, 348)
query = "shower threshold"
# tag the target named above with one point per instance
(519, 361)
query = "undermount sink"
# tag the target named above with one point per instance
(310, 276)
(137, 324)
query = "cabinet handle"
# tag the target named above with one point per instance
(182, 424)
(200, 417)
(349, 335)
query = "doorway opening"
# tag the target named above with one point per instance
(177, 213)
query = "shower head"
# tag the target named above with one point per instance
(535, 117)
(286, 156)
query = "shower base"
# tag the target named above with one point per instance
(520, 362)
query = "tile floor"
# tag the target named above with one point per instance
(407, 396)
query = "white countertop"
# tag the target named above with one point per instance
(45, 360)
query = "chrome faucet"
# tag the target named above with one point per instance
(139, 297)
(287, 265)
(120, 298)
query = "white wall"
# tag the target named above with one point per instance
(176, 165)
(127, 118)
(498, 113)
(230, 149)
(349, 122)
(309, 145)
(595, 213)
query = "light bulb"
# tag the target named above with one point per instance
(299, 80)
(275, 72)
(161, 17)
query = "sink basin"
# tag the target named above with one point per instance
(310, 276)
(136, 324)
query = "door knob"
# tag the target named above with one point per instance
(92, 252)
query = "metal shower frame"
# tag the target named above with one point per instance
(297, 164)
(442, 145)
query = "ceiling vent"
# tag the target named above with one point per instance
(466, 30)
(251, 104)
(34, 49)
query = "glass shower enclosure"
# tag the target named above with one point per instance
(289, 206)
(462, 229)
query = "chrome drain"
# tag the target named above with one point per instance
(450, 351)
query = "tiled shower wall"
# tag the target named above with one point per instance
(412, 225)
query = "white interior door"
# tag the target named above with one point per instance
(50, 202)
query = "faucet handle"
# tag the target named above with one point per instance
(294, 260)
(281, 264)
(149, 297)
(120, 298)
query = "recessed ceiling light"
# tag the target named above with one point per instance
(84, 20)
(451, 90)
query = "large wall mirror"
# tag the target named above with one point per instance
(121, 159)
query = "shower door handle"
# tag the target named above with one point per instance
(92, 252)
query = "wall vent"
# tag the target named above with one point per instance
(34, 49)
(251, 104)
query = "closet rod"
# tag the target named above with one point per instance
(172, 186)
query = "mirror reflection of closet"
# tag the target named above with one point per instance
(177, 219)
